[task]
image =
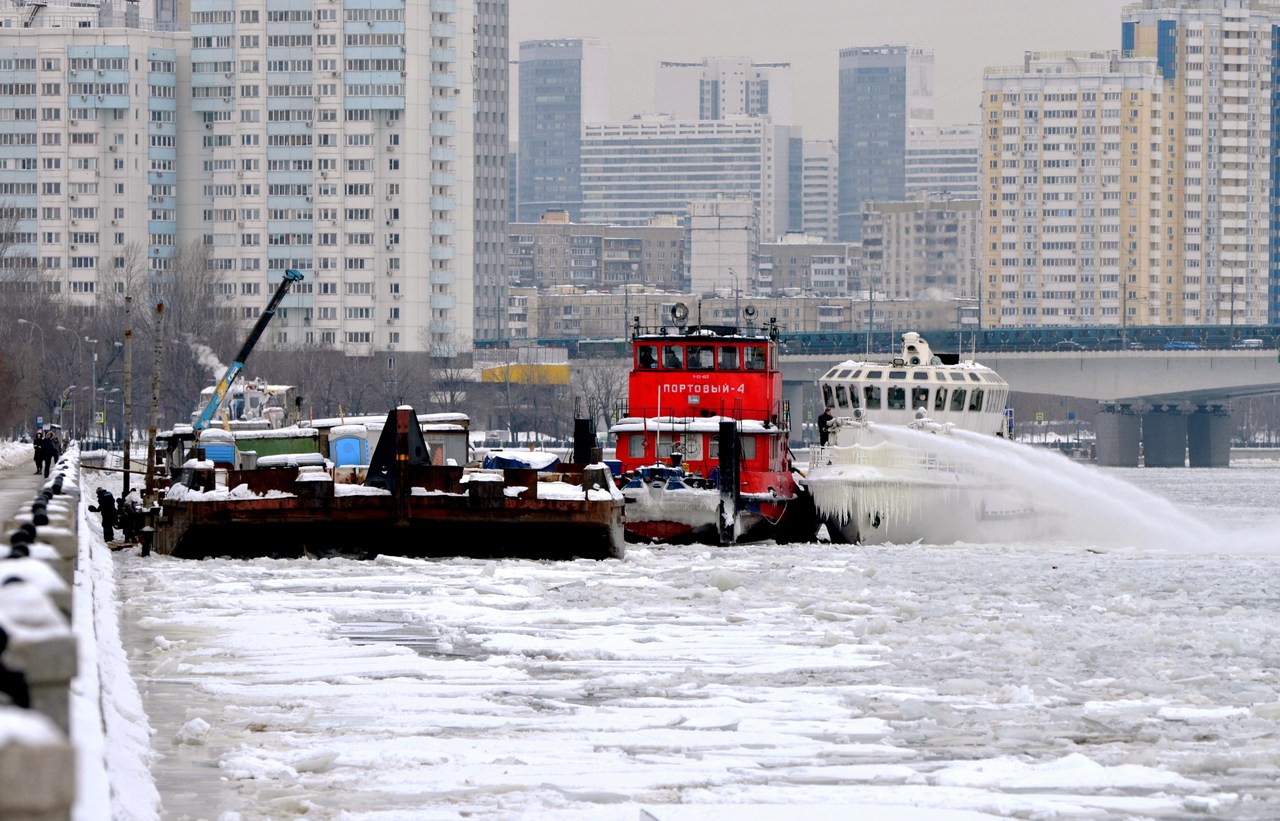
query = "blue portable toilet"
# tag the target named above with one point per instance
(349, 445)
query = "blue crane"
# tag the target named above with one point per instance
(220, 391)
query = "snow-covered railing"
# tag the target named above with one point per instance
(38, 654)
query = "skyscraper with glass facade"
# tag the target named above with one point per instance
(564, 84)
(884, 91)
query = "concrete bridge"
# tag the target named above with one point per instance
(1163, 407)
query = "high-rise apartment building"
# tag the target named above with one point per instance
(89, 158)
(337, 140)
(944, 161)
(555, 252)
(721, 87)
(489, 172)
(564, 85)
(922, 248)
(800, 264)
(1219, 200)
(884, 92)
(818, 186)
(724, 245)
(1077, 229)
(634, 170)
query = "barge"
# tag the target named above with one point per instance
(405, 503)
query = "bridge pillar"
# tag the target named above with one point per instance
(1164, 439)
(1117, 431)
(1209, 437)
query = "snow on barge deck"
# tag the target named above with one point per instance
(405, 506)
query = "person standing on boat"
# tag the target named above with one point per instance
(824, 424)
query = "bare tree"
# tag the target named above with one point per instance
(450, 375)
(202, 331)
(600, 386)
(30, 356)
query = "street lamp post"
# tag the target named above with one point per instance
(41, 330)
(93, 397)
(43, 351)
(73, 406)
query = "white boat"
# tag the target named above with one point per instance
(905, 459)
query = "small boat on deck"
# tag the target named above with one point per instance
(897, 467)
(409, 499)
(703, 447)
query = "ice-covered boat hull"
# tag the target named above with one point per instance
(873, 506)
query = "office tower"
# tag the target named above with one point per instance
(564, 85)
(1076, 230)
(818, 189)
(944, 161)
(884, 92)
(633, 170)
(721, 87)
(88, 158)
(922, 248)
(1220, 206)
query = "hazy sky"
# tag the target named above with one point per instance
(965, 36)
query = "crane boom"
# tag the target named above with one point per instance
(233, 370)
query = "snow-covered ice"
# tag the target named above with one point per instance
(1039, 681)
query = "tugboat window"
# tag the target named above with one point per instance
(842, 397)
(635, 447)
(648, 356)
(957, 377)
(919, 398)
(728, 358)
(897, 374)
(673, 356)
(746, 447)
(957, 400)
(827, 395)
(702, 357)
(872, 395)
(940, 400)
(975, 400)
(755, 358)
(920, 376)
(897, 398)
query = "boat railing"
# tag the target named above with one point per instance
(884, 456)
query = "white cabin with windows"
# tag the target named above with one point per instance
(900, 390)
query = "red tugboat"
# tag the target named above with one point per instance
(704, 444)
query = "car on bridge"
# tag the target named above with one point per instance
(1180, 345)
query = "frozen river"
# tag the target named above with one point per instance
(963, 681)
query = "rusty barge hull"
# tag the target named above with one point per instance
(406, 507)
(435, 526)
